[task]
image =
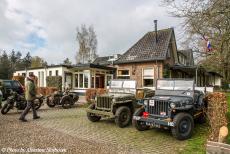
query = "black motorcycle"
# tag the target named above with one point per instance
(65, 99)
(19, 101)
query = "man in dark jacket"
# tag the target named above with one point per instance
(30, 95)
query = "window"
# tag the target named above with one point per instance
(123, 74)
(148, 77)
(82, 80)
(108, 79)
(56, 72)
(16, 84)
(32, 73)
(50, 73)
(76, 80)
(7, 84)
(86, 80)
(92, 82)
(24, 74)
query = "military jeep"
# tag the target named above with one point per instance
(118, 103)
(175, 106)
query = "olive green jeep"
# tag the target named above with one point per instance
(118, 103)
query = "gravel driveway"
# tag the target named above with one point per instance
(70, 130)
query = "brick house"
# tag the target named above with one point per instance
(149, 59)
(155, 56)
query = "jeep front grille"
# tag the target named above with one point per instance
(104, 103)
(160, 108)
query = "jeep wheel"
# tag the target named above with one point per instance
(122, 116)
(140, 125)
(92, 117)
(184, 125)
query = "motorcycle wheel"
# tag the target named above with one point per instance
(67, 102)
(37, 103)
(50, 102)
(5, 108)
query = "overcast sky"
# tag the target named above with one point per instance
(47, 28)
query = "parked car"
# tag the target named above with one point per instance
(8, 85)
(175, 105)
(118, 103)
(66, 99)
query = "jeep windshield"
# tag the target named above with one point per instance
(186, 85)
(123, 86)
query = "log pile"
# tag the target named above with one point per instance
(216, 113)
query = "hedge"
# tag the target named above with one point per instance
(21, 79)
(45, 91)
(54, 81)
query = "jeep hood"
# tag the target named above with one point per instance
(118, 95)
(172, 98)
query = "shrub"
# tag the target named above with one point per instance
(216, 113)
(54, 81)
(21, 79)
(45, 91)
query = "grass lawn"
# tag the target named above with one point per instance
(197, 143)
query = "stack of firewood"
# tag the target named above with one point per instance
(216, 113)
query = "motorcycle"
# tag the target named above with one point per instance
(19, 101)
(66, 99)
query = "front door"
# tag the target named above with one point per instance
(68, 79)
(100, 81)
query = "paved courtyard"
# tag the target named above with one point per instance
(70, 129)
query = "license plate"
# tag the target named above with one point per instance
(151, 103)
(136, 117)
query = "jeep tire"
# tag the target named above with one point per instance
(123, 116)
(184, 125)
(92, 117)
(139, 125)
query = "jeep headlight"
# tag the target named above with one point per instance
(172, 105)
(113, 100)
(145, 102)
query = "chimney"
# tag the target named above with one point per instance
(155, 23)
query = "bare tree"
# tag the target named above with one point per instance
(207, 20)
(87, 40)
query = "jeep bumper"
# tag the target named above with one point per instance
(154, 122)
(101, 113)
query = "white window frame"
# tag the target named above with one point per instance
(147, 77)
(78, 79)
(123, 75)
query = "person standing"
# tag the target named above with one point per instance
(1, 95)
(30, 95)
